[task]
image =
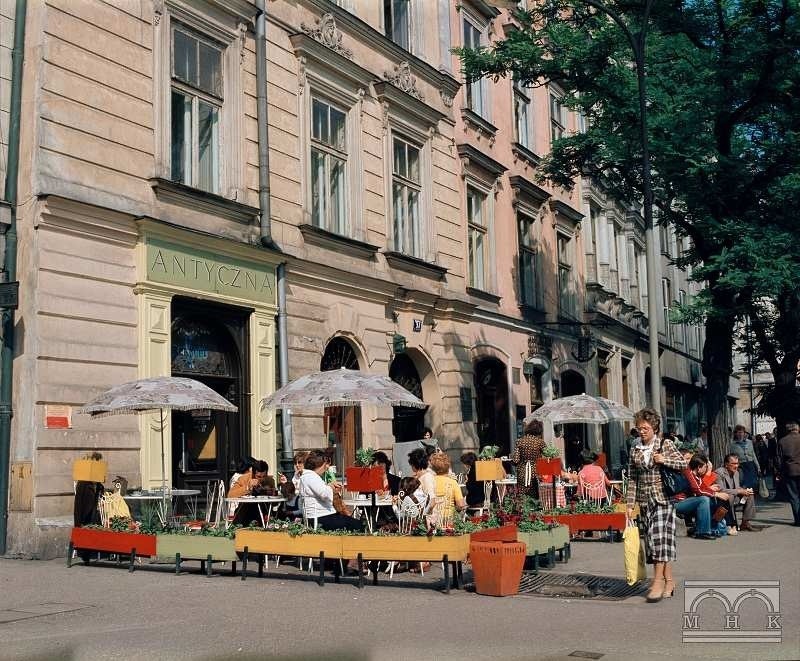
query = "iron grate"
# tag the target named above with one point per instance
(579, 586)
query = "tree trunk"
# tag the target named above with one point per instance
(717, 368)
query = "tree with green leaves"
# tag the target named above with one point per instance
(721, 96)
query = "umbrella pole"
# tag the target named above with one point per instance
(163, 476)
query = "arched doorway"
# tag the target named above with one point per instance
(407, 423)
(573, 383)
(491, 392)
(208, 347)
(342, 423)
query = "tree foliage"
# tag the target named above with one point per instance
(723, 113)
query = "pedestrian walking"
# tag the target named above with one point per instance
(789, 461)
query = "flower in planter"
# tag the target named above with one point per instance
(364, 457)
(550, 451)
(488, 452)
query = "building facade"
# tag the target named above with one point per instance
(405, 217)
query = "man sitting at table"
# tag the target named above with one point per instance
(317, 496)
(255, 481)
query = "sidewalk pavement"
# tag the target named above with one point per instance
(102, 612)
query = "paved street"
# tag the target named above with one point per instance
(102, 612)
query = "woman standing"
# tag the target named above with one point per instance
(657, 513)
(527, 450)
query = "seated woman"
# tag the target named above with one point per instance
(255, 481)
(475, 494)
(700, 500)
(392, 482)
(592, 480)
(446, 489)
(318, 496)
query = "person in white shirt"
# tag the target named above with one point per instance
(318, 497)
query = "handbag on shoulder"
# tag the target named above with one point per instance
(673, 481)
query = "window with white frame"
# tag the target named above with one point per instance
(397, 22)
(478, 238)
(407, 197)
(558, 116)
(565, 294)
(196, 100)
(529, 286)
(476, 89)
(666, 299)
(522, 115)
(328, 166)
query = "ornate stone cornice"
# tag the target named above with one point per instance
(325, 32)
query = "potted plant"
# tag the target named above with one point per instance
(550, 462)
(364, 477)
(488, 467)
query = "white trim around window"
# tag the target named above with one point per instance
(334, 158)
(219, 110)
(476, 94)
(409, 178)
(479, 205)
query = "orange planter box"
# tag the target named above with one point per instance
(281, 543)
(599, 521)
(506, 533)
(406, 547)
(110, 541)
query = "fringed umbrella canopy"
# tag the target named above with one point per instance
(159, 393)
(581, 408)
(341, 387)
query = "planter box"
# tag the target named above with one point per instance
(365, 480)
(407, 547)
(196, 547)
(542, 540)
(489, 469)
(89, 470)
(281, 543)
(110, 541)
(506, 533)
(577, 522)
(548, 466)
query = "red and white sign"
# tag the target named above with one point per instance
(57, 416)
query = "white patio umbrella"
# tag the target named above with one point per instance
(160, 393)
(581, 408)
(341, 387)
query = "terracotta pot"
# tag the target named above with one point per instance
(506, 533)
(546, 466)
(364, 480)
(497, 567)
(110, 541)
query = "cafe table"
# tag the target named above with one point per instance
(371, 506)
(265, 505)
(147, 499)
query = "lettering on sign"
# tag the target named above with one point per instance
(204, 271)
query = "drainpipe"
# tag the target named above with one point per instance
(283, 369)
(262, 117)
(10, 196)
(262, 114)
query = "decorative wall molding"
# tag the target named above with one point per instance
(401, 78)
(325, 32)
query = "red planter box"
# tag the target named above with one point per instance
(364, 480)
(577, 522)
(507, 533)
(110, 541)
(548, 467)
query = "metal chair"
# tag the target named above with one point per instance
(596, 493)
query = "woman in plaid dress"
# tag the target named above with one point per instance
(657, 514)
